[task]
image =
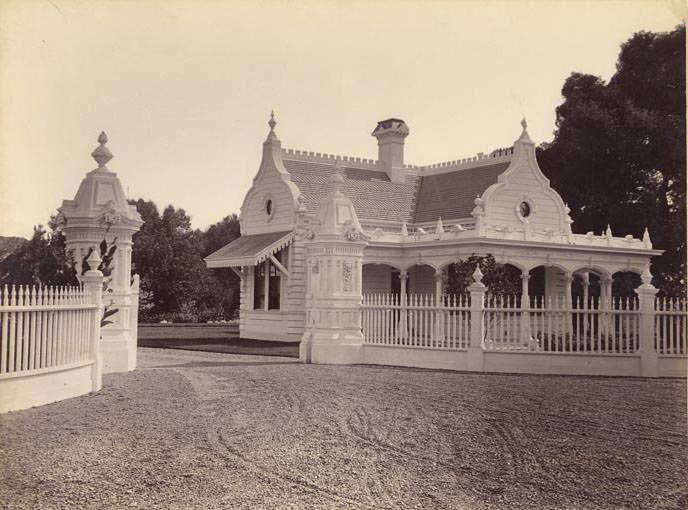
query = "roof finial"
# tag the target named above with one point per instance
(101, 153)
(524, 134)
(272, 122)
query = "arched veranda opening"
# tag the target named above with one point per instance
(384, 278)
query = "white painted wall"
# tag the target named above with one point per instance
(555, 282)
(523, 181)
(255, 220)
(523, 185)
(44, 386)
(287, 323)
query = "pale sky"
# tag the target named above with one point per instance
(184, 89)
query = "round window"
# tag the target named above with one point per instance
(524, 209)
(268, 207)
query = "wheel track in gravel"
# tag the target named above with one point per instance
(217, 439)
(360, 426)
(375, 485)
(204, 383)
(368, 436)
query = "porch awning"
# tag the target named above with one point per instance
(249, 250)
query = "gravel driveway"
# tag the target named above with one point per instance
(204, 430)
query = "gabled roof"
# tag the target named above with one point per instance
(372, 193)
(445, 190)
(450, 195)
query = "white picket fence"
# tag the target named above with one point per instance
(49, 343)
(555, 325)
(671, 327)
(418, 322)
(44, 327)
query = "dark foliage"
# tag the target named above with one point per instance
(619, 151)
(42, 260)
(500, 280)
(175, 283)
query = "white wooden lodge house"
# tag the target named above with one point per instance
(335, 250)
(349, 257)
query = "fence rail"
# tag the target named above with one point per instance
(671, 326)
(558, 326)
(417, 321)
(45, 327)
(555, 325)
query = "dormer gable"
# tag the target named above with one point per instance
(271, 203)
(522, 198)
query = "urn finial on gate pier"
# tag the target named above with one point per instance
(101, 153)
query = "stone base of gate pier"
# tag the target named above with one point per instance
(119, 354)
(336, 348)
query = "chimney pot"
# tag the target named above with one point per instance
(390, 134)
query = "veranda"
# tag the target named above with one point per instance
(585, 334)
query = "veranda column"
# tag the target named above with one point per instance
(100, 212)
(568, 304)
(586, 289)
(403, 301)
(525, 309)
(335, 252)
(476, 361)
(606, 303)
(646, 302)
(439, 305)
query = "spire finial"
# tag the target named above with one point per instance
(524, 134)
(272, 122)
(101, 153)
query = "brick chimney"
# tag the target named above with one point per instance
(390, 134)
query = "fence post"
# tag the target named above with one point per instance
(476, 361)
(646, 302)
(93, 283)
(134, 312)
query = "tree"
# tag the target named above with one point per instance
(222, 291)
(220, 234)
(168, 256)
(42, 260)
(619, 157)
(500, 280)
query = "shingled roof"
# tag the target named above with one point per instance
(372, 193)
(448, 194)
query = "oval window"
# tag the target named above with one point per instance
(268, 207)
(524, 209)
